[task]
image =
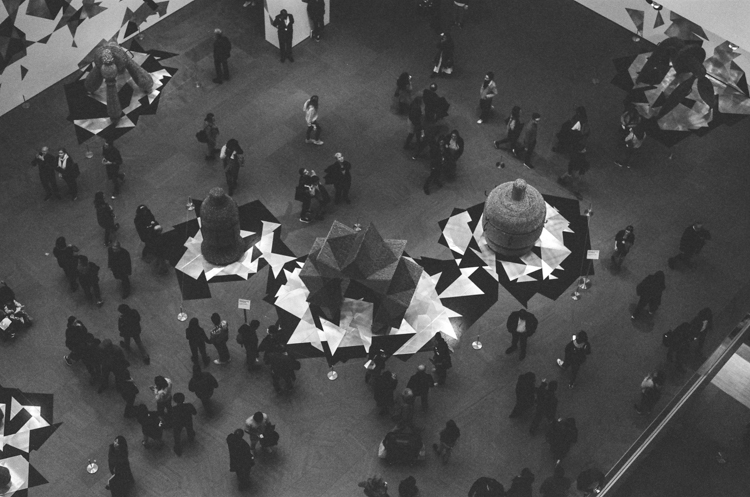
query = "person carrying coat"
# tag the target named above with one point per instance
(68, 171)
(241, 459)
(575, 355)
(649, 292)
(118, 261)
(284, 24)
(339, 174)
(521, 325)
(129, 326)
(203, 384)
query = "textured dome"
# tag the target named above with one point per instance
(220, 227)
(514, 215)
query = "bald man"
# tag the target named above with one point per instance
(420, 384)
(222, 50)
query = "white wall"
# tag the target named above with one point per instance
(298, 9)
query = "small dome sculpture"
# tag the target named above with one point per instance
(220, 226)
(514, 216)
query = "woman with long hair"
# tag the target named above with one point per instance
(119, 466)
(105, 216)
(311, 117)
(233, 158)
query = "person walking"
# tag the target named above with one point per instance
(247, 337)
(197, 340)
(118, 261)
(122, 480)
(384, 385)
(576, 352)
(513, 126)
(316, 11)
(218, 337)
(441, 358)
(525, 389)
(487, 92)
(284, 24)
(448, 438)
(283, 367)
(438, 164)
(311, 118)
(162, 390)
(546, 405)
(677, 342)
(650, 392)
(203, 384)
(45, 162)
(486, 487)
(577, 167)
(526, 143)
(182, 418)
(556, 485)
(241, 459)
(76, 336)
(129, 326)
(222, 52)
(88, 277)
(233, 158)
(692, 241)
(65, 254)
(573, 132)
(403, 92)
(521, 485)
(212, 133)
(68, 171)
(113, 361)
(454, 149)
(255, 426)
(443, 61)
(649, 292)
(415, 122)
(633, 141)
(112, 160)
(128, 391)
(700, 326)
(339, 174)
(521, 325)
(105, 216)
(561, 436)
(624, 240)
(151, 428)
(420, 384)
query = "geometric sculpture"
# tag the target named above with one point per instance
(220, 225)
(514, 216)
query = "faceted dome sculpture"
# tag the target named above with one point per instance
(514, 215)
(220, 227)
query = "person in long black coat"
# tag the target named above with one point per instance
(546, 404)
(105, 216)
(112, 160)
(119, 466)
(576, 352)
(46, 164)
(222, 52)
(339, 174)
(197, 339)
(151, 427)
(247, 337)
(562, 435)
(384, 385)
(441, 359)
(649, 290)
(692, 241)
(282, 367)
(521, 325)
(241, 458)
(284, 24)
(88, 277)
(129, 326)
(143, 219)
(316, 10)
(525, 389)
(203, 384)
(68, 171)
(420, 384)
(65, 254)
(119, 262)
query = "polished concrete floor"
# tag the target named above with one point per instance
(549, 57)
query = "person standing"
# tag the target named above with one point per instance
(182, 418)
(454, 149)
(561, 436)
(526, 143)
(441, 358)
(88, 277)
(218, 337)
(311, 118)
(339, 174)
(316, 11)
(383, 387)
(376, 363)
(486, 487)
(241, 458)
(624, 240)
(118, 261)
(282, 367)
(233, 159)
(556, 485)
(487, 92)
(435, 106)
(112, 160)
(403, 92)
(247, 337)
(255, 426)
(319, 199)
(151, 428)
(448, 438)
(521, 485)
(408, 487)
(197, 340)
(513, 126)
(128, 391)
(122, 480)
(212, 133)
(68, 171)
(577, 167)
(284, 24)
(105, 216)
(46, 163)
(113, 361)
(438, 160)
(521, 325)
(415, 122)
(65, 254)
(546, 404)
(302, 192)
(76, 336)
(633, 141)
(525, 388)
(701, 325)
(576, 352)
(203, 384)
(129, 326)
(573, 132)
(222, 52)
(162, 389)
(649, 290)
(691, 243)
(143, 219)
(677, 342)
(650, 392)
(444, 58)
(420, 384)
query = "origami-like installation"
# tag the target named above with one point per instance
(222, 244)
(111, 60)
(514, 215)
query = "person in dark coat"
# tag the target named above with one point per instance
(65, 254)
(454, 149)
(68, 171)
(233, 159)
(119, 263)
(282, 367)
(649, 290)
(143, 219)
(197, 339)
(562, 435)
(420, 384)
(526, 143)
(203, 384)
(284, 24)
(573, 132)
(378, 358)
(546, 404)
(219, 336)
(105, 216)
(119, 467)
(441, 359)
(340, 176)
(241, 459)
(700, 326)
(590, 481)
(316, 11)
(521, 325)
(302, 193)
(486, 487)
(577, 167)
(384, 385)
(444, 58)
(556, 485)
(46, 164)
(222, 52)
(575, 355)
(624, 240)
(150, 426)
(435, 106)
(520, 486)
(438, 164)
(182, 418)
(403, 94)
(112, 361)
(525, 389)
(112, 160)
(88, 277)
(129, 326)
(416, 124)
(677, 342)
(128, 390)
(408, 487)
(247, 337)
(448, 438)
(693, 239)
(75, 340)
(650, 392)
(513, 126)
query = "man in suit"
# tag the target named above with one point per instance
(222, 51)
(521, 325)
(284, 24)
(340, 176)
(46, 163)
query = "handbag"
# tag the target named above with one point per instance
(201, 136)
